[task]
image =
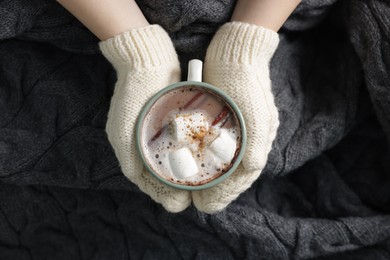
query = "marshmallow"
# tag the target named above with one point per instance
(182, 163)
(187, 125)
(223, 147)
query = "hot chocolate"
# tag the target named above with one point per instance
(190, 136)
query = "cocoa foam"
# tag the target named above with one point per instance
(159, 122)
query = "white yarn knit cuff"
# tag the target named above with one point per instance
(244, 43)
(142, 47)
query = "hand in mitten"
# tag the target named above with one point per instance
(237, 61)
(145, 61)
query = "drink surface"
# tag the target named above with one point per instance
(190, 136)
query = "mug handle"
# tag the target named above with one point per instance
(195, 70)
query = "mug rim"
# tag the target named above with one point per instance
(221, 94)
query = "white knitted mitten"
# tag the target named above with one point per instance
(145, 61)
(237, 61)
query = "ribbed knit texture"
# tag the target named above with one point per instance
(237, 61)
(140, 49)
(145, 61)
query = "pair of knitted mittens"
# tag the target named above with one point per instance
(237, 61)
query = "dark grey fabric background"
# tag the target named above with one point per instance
(325, 193)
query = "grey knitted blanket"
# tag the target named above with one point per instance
(325, 192)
